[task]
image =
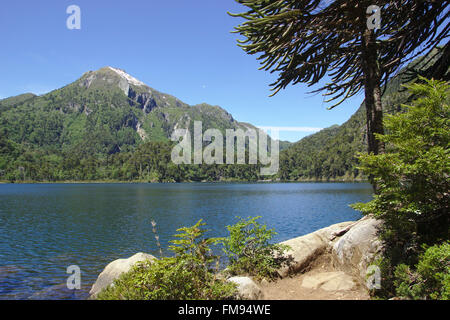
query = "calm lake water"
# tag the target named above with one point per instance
(44, 228)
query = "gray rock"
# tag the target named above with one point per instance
(247, 288)
(353, 247)
(307, 248)
(356, 250)
(114, 269)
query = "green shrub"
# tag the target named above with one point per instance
(190, 274)
(193, 271)
(412, 180)
(430, 280)
(249, 250)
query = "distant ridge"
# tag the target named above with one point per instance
(104, 111)
(330, 153)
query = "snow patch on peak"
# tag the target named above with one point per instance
(126, 76)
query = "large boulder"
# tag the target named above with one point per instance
(307, 248)
(357, 249)
(114, 269)
(247, 288)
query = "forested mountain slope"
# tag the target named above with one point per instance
(330, 153)
(105, 125)
(103, 112)
(108, 125)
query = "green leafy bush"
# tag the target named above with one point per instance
(193, 271)
(412, 180)
(249, 250)
(430, 280)
(190, 274)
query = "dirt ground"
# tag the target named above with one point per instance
(290, 288)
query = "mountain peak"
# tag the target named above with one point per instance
(130, 79)
(108, 77)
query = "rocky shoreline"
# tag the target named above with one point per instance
(350, 248)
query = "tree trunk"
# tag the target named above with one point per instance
(374, 109)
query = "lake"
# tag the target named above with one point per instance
(44, 228)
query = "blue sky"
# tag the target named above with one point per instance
(179, 47)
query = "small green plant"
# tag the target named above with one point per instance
(249, 250)
(190, 274)
(430, 280)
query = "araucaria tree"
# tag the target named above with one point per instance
(305, 40)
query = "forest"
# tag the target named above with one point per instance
(60, 142)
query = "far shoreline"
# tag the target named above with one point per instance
(168, 182)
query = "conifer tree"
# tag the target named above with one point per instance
(305, 40)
